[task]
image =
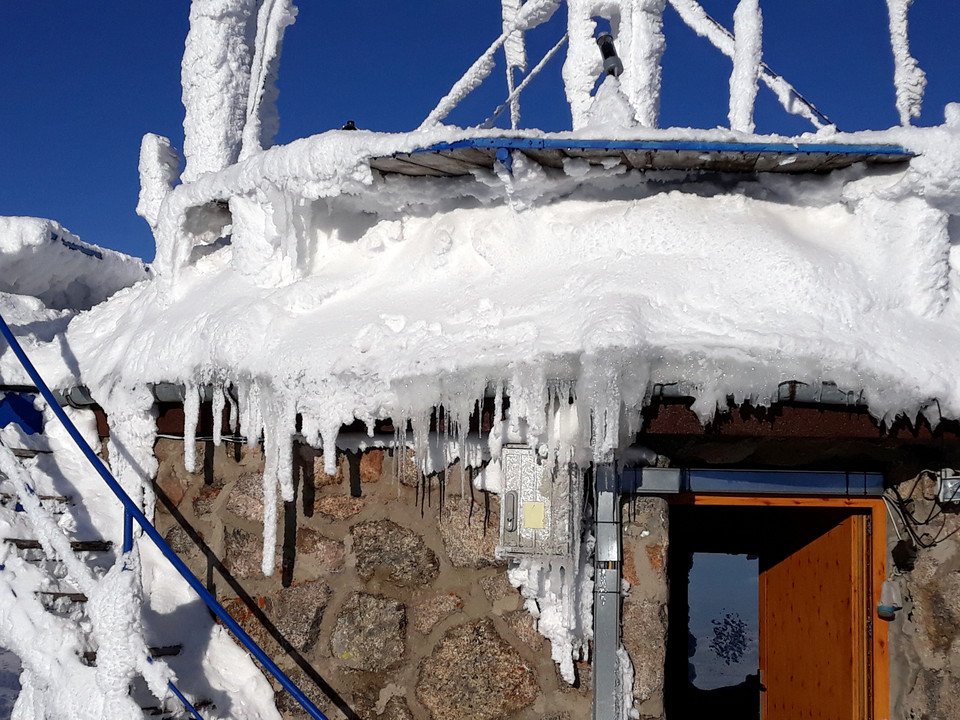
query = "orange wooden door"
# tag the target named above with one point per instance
(813, 620)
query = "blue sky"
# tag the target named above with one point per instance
(81, 83)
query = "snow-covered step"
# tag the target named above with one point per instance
(55, 504)
(75, 545)
(90, 656)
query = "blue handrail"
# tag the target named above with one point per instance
(131, 510)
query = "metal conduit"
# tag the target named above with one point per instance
(133, 512)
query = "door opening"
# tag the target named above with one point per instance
(771, 609)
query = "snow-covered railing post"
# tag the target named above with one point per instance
(643, 54)
(910, 81)
(747, 53)
(531, 14)
(516, 55)
(697, 19)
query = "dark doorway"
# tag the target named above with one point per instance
(769, 613)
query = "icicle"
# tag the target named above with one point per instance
(329, 433)
(191, 417)
(909, 80)
(234, 411)
(747, 53)
(269, 523)
(219, 400)
(251, 417)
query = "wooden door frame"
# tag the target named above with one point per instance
(878, 650)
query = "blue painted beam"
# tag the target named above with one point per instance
(667, 145)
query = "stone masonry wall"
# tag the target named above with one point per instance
(925, 636)
(645, 543)
(386, 587)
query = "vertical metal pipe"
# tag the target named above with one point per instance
(607, 677)
(127, 531)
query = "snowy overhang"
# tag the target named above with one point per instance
(463, 157)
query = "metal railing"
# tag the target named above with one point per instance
(133, 512)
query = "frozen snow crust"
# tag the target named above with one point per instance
(354, 296)
(39, 257)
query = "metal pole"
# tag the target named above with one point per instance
(607, 677)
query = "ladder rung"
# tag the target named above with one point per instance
(75, 545)
(53, 595)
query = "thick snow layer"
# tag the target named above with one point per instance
(41, 258)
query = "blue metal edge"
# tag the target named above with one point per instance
(666, 145)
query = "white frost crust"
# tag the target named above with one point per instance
(159, 170)
(584, 63)
(514, 48)
(747, 54)
(641, 44)
(215, 74)
(262, 120)
(909, 79)
(41, 258)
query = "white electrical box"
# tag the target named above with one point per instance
(949, 490)
(536, 512)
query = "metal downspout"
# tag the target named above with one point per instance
(607, 676)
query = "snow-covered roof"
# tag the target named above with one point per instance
(42, 259)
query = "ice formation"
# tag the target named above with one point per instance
(909, 80)
(747, 56)
(299, 283)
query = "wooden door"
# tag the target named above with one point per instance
(814, 590)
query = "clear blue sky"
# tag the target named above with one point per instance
(81, 83)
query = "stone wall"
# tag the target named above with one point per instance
(645, 544)
(925, 636)
(386, 589)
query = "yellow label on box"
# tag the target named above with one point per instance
(533, 515)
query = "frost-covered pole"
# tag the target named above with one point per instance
(516, 54)
(642, 45)
(747, 54)
(532, 14)
(583, 63)
(705, 26)
(262, 119)
(215, 74)
(159, 170)
(909, 80)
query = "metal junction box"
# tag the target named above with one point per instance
(536, 513)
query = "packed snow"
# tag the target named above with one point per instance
(41, 258)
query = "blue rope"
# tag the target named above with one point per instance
(134, 511)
